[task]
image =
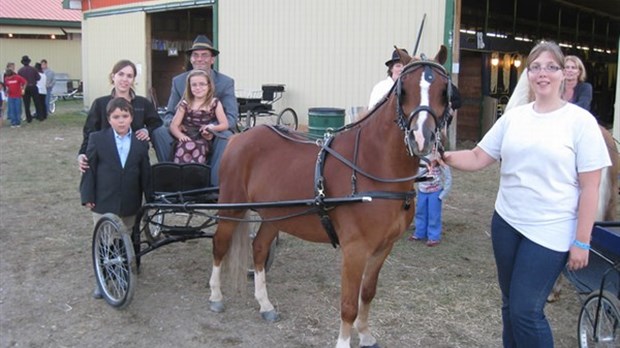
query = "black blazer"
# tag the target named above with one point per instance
(111, 187)
(144, 115)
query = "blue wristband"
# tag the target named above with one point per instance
(581, 245)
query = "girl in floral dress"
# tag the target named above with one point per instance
(198, 115)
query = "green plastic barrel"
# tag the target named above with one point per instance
(319, 119)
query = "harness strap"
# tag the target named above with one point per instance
(319, 194)
(355, 152)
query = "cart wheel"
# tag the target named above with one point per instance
(608, 321)
(114, 261)
(250, 119)
(253, 229)
(153, 226)
(288, 118)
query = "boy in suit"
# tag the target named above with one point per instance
(119, 170)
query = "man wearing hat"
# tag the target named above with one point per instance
(31, 92)
(395, 67)
(202, 56)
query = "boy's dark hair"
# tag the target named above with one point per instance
(119, 103)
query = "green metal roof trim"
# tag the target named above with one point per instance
(40, 23)
(152, 8)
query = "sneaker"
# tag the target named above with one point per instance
(414, 238)
(432, 243)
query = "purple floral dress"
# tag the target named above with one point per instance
(197, 149)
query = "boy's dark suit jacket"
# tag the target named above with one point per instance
(115, 189)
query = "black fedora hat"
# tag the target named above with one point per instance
(26, 60)
(395, 57)
(203, 43)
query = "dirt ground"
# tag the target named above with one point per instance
(445, 296)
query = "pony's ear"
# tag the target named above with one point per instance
(405, 58)
(442, 55)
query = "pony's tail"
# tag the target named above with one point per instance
(236, 263)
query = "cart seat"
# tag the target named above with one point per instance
(182, 181)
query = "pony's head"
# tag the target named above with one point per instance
(423, 92)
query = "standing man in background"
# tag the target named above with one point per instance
(31, 92)
(49, 85)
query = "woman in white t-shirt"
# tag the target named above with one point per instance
(551, 154)
(39, 99)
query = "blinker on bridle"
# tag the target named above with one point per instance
(404, 123)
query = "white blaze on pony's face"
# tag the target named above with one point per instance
(418, 130)
(433, 84)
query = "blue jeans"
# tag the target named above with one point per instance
(428, 216)
(526, 272)
(14, 112)
(48, 97)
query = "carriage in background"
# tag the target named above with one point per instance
(259, 104)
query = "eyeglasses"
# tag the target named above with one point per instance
(198, 84)
(535, 68)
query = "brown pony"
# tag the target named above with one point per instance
(369, 157)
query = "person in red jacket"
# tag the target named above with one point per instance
(15, 85)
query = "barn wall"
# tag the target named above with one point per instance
(64, 56)
(109, 39)
(328, 53)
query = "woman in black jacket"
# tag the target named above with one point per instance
(145, 119)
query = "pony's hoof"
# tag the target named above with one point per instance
(271, 316)
(376, 345)
(216, 306)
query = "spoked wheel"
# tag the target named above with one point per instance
(606, 318)
(114, 261)
(288, 118)
(246, 121)
(253, 230)
(153, 226)
(250, 119)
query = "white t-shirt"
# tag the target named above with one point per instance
(379, 91)
(41, 84)
(541, 156)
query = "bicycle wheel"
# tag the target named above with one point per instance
(288, 118)
(114, 261)
(606, 318)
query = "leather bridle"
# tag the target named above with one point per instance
(405, 122)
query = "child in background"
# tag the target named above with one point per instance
(428, 205)
(15, 85)
(200, 114)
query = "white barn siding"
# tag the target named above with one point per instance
(110, 39)
(328, 53)
(63, 55)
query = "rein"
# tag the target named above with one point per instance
(404, 123)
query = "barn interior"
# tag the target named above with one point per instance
(496, 36)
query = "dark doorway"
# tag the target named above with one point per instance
(172, 33)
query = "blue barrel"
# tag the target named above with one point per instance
(319, 119)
